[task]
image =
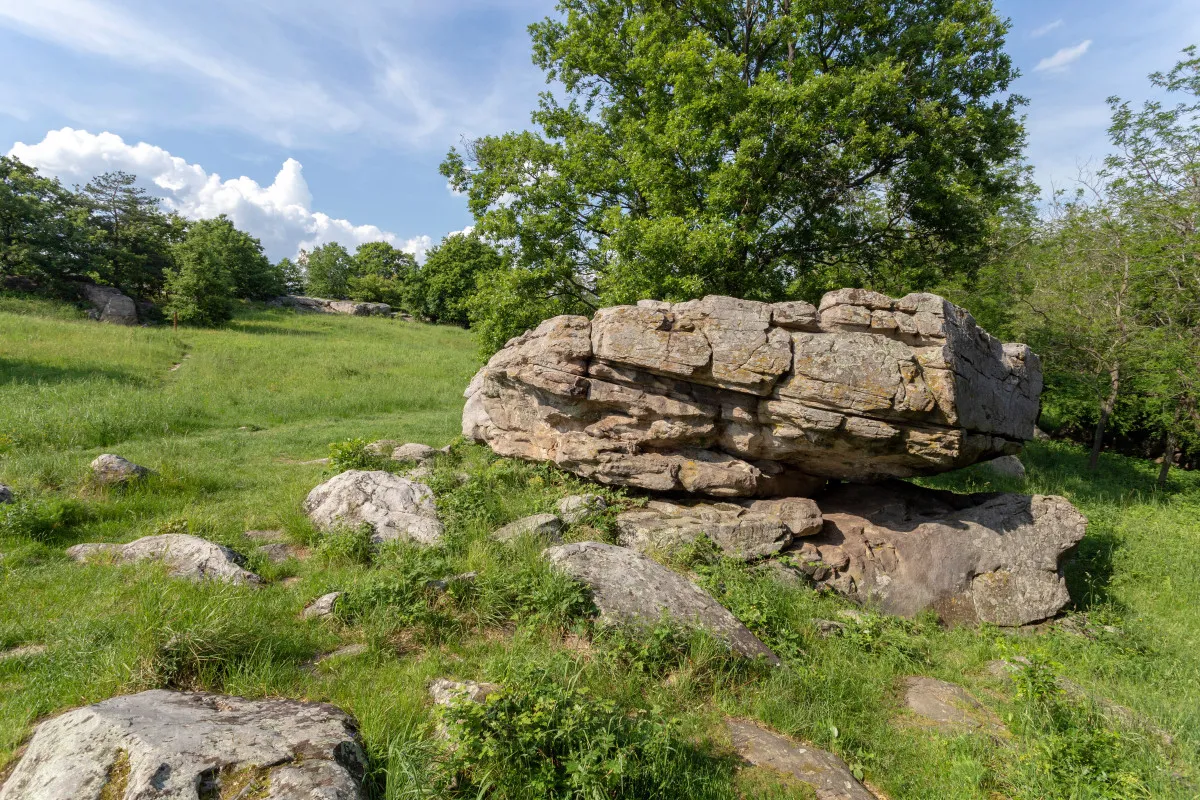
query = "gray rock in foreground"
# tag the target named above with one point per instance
(827, 774)
(182, 746)
(547, 527)
(6, 495)
(184, 555)
(747, 530)
(1006, 467)
(110, 470)
(446, 692)
(970, 558)
(629, 588)
(321, 607)
(577, 507)
(733, 398)
(396, 508)
(110, 304)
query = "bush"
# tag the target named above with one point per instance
(440, 290)
(40, 519)
(356, 454)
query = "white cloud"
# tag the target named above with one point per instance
(1043, 30)
(1064, 57)
(279, 214)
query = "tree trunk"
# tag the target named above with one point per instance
(1106, 409)
(1168, 460)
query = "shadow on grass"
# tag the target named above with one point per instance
(33, 373)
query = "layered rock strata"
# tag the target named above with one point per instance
(734, 398)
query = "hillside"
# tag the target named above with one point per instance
(233, 421)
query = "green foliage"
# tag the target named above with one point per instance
(40, 235)
(381, 274)
(291, 277)
(441, 288)
(767, 151)
(42, 519)
(356, 454)
(556, 742)
(201, 288)
(508, 302)
(329, 269)
(346, 546)
(129, 238)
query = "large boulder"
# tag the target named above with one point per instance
(110, 304)
(734, 398)
(747, 530)
(395, 508)
(184, 746)
(184, 555)
(971, 558)
(630, 589)
(322, 306)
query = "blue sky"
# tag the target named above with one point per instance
(309, 121)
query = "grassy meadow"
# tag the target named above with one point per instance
(231, 421)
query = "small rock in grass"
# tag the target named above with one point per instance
(279, 552)
(321, 607)
(1005, 667)
(446, 692)
(6, 495)
(578, 507)
(948, 707)
(110, 470)
(543, 526)
(413, 451)
(852, 614)
(829, 775)
(22, 651)
(343, 652)
(443, 584)
(266, 536)
(186, 556)
(1006, 467)
(191, 744)
(383, 447)
(827, 627)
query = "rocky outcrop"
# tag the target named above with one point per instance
(733, 398)
(971, 558)
(323, 306)
(395, 508)
(828, 775)
(948, 707)
(110, 470)
(629, 588)
(747, 530)
(160, 744)
(185, 556)
(109, 304)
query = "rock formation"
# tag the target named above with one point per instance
(747, 530)
(110, 305)
(629, 588)
(185, 556)
(164, 744)
(6, 495)
(110, 470)
(734, 398)
(323, 306)
(394, 507)
(828, 775)
(982, 557)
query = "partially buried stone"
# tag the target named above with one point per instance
(394, 507)
(321, 607)
(6, 495)
(547, 527)
(162, 744)
(948, 707)
(184, 555)
(828, 775)
(110, 470)
(746, 530)
(578, 507)
(413, 451)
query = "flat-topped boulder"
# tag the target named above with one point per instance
(184, 746)
(734, 398)
(185, 556)
(630, 589)
(395, 508)
(969, 557)
(322, 306)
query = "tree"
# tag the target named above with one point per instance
(329, 270)
(442, 288)
(758, 148)
(252, 275)
(292, 276)
(39, 231)
(200, 287)
(130, 238)
(380, 273)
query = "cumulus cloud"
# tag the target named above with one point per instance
(280, 214)
(1064, 57)
(1043, 30)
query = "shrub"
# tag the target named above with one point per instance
(356, 454)
(41, 519)
(347, 546)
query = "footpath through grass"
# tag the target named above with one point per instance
(589, 712)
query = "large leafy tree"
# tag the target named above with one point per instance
(201, 285)
(442, 288)
(39, 224)
(759, 148)
(329, 268)
(380, 272)
(130, 238)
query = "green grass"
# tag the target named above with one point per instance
(227, 433)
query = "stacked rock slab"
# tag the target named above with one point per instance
(735, 398)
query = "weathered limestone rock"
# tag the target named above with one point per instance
(1006, 467)
(413, 451)
(6, 495)
(446, 692)
(629, 588)
(543, 526)
(184, 746)
(110, 304)
(578, 507)
(733, 398)
(321, 607)
(971, 558)
(109, 470)
(323, 306)
(948, 707)
(185, 556)
(749, 529)
(827, 774)
(394, 507)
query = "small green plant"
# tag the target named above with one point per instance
(356, 454)
(346, 546)
(41, 519)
